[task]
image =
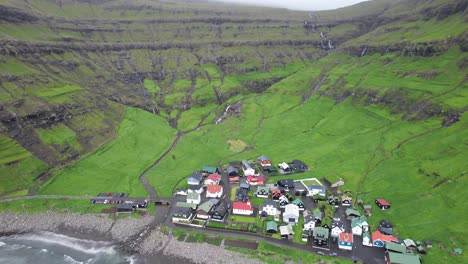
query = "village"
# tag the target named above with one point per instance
(257, 197)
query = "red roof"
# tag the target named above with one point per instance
(254, 179)
(214, 188)
(215, 177)
(382, 202)
(242, 206)
(346, 237)
(376, 235)
(234, 178)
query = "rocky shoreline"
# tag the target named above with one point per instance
(153, 245)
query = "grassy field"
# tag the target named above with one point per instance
(56, 205)
(116, 166)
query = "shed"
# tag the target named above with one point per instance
(209, 169)
(232, 171)
(395, 247)
(397, 258)
(428, 243)
(271, 227)
(409, 242)
(125, 208)
(382, 204)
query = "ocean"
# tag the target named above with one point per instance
(51, 248)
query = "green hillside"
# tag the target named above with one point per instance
(92, 93)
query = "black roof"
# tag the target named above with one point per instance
(286, 183)
(125, 206)
(385, 230)
(182, 212)
(269, 168)
(195, 187)
(221, 207)
(231, 169)
(385, 223)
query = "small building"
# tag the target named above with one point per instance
(346, 200)
(204, 210)
(276, 194)
(338, 183)
(209, 169)
(333, 200)
(213, 179)
(284, 167)
(194, 198)
(337, 228)
(286, 183)
(269, 169)
(214, 191)
(283, 201)
(318, 215)
(298, 166)
(397, 258)
(182, 215)
(379, 239)
(385, 223)
(241, 195)
(291, 214)
(252, 180)
(277, 216)
(317, 189)
(286, 232)
(321, 235)
(125, 208)
(382, 204)
(385, 230)
(309, 222)
(345, 241)
(409, 243)
(428, 243)
(244, 186)
(247, 168)
(195, 189)
(271, 227)
(262, 192)
(233, 179)
(241, 208)
(395, 247)
(219, 212)
(351, 213)
(366, 239)
(270, 207)
(264, 161)
(359, 225)
(195, 178)
(299, 204)
(232, 171)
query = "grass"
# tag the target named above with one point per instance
(243, 219)
(54, 91)
(56, 205)
(116, 166)
(60, 135)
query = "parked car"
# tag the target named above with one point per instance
(106, 201)
(333, 254)
(321, 253)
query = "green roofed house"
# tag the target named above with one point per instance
(351, 213)
(397, 258)
(209, 169)
(299, 204)
(395, 247)
(321, 235)
(272, 227)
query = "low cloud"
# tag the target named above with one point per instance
(307, 5)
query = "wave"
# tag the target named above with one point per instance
(44, 250)
(70, 260)
(2, 244)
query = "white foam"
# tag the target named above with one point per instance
(2, 244)
(44, 250)
(70, 260)
(131, 259)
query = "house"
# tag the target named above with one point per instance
(195, 178)
(299, 204)
(337, 228)
(317, 189)
(247, 169)
(214, 191)
(333, 200)
(345, 241)
(241, 195)
(379, 239)
(264, 161)
(318, 215)
(252, 180)
(213, 179)
(291, 214)
(300, 188)
(262, 192)
(233, 179)
(309, 222)
(321, 235)
(382, 204)
(284, 167)
(286, 183)
(283, 201)
(395, 247)
(232, 171)
(194, 198)
(269, 207)
(367, 209)
(209, 169)
(182, 215)
(421, 250)
(219, 211)
(351, 213)
(271, 227)
(125, 208)
(385, 230)
(276, 194)
(428, 243)
(269, 169)
(366, 239)
(359, 225)
(396, 258)
(195, 189)
(286, 232)
(244, 186)
(346, 200)
(204, 210)
(298, 166)
(241, 208)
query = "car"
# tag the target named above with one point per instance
(321, 253)
(93, 201)
(333, 254)
(108, 194)
(106, 201)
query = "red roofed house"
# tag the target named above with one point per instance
(233, 179)
(252, 180)
(242, 208)
(379, 239)
(214, 191)
(264, 161)
(345, 241)
(382, 204)
(276, 194)
(213, 179)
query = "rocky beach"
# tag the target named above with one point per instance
(134, 236)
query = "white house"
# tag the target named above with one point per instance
(286, 232)
(241, 208)
(309, 222)
(337, 228)
(291, 214)
(194, 198)
(317, 189)
(247, 169)
(283, 201)
(359, 225)
(366, 239)
(214, 191)
(269, 207)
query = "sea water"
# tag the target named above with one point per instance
(51, 248)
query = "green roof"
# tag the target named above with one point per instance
(350, 211)
(318, 214)
(322, 232)
(395, 247)
(297, 201)
(367, 206)
(209, 169)
(187, 205)
(206, 206)
(366, 234)
(397, 258)
(193, 196)
(459, 251)
(272, 225)
(355, 222)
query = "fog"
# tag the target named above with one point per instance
(307, 5)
